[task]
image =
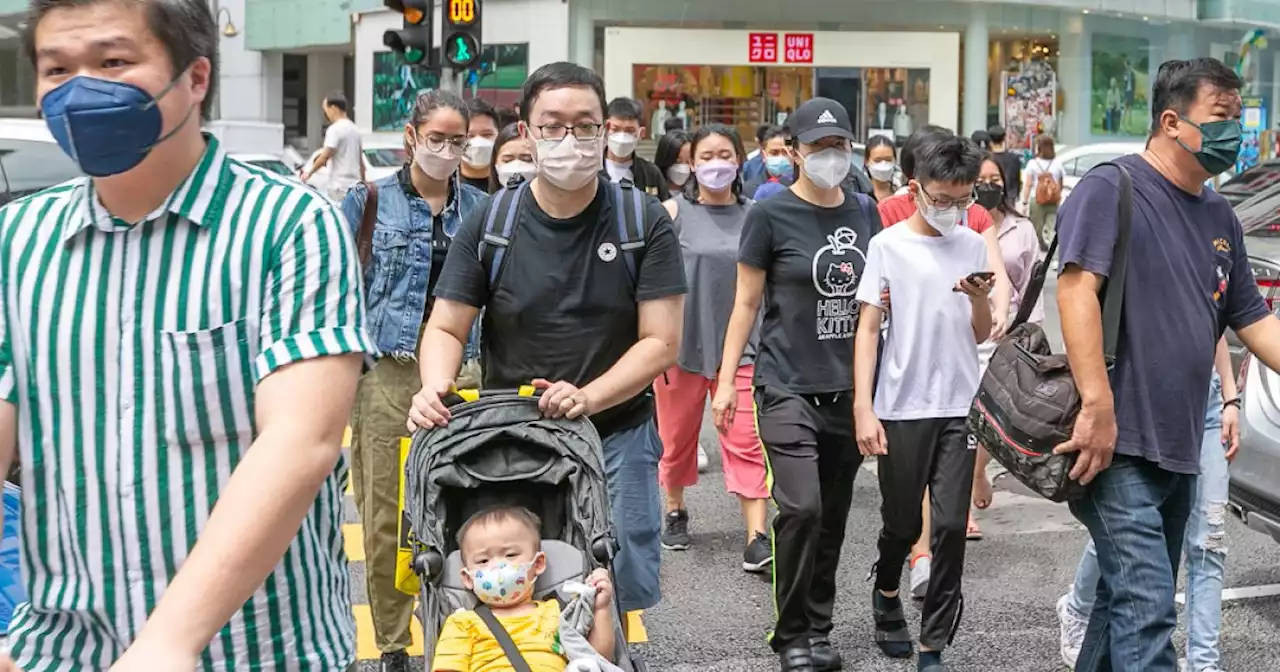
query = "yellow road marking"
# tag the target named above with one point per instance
(367, 646)
(353, 540)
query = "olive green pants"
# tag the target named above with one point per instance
(377, 425)
(1044, 218)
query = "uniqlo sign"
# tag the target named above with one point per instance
(798, 48)
(762, 48)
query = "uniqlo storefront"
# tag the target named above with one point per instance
(891, 82)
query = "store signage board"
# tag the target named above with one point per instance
(798, 48)
(762, 47)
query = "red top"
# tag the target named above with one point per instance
(899, 208)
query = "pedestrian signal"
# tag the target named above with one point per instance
(462, 42)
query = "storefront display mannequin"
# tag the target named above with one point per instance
(658, 123)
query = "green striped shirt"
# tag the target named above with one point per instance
(132, 353)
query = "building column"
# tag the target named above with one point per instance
(582, 35)
(976, 45)
(1074, 80)
(324, 76)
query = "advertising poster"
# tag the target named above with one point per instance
(1030, 101)
(395, 88)
(1119, 86)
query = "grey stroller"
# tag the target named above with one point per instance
(499, 449)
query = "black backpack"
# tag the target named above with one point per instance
(1028, 402)
(627, 203)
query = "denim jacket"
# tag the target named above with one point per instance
(395, 282)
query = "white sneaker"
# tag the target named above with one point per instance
(1071, 629)
(920, 577)
(703, 460)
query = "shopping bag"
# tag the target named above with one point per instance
(407, 546)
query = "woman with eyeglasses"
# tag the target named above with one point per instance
(394, 221)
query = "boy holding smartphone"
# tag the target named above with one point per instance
(935, 270)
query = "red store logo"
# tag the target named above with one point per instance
(762, 48)
(799, 48)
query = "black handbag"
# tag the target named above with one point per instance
(1027, 402)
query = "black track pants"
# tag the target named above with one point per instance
(812, 459)
(937, 453)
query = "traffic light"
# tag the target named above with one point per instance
(414, 40)
(462, 43)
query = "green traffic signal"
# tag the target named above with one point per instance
(460, 45)
(462, 50)
(414, 56)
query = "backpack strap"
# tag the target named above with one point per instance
(509, 648)
(629, 211)
(499, 228)
(865, 205)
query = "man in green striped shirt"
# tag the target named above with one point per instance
(180, 341)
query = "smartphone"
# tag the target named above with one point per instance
(985, 276)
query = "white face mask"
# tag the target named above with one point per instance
(437, 165)
(479, 152)
(569, 164)
(827, 168)
(522, 168)
(881, 171)
(678, 174)
(622, 144)
(942, 221)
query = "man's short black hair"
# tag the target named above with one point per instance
(950, 160)
(338, 100)
(479, 107)
(672, 124)
(997, 134)
(775, 132)
(760, 131)
(924, 136)
(507, 116)
(559, 75)
(186, 29)
(1178, 84)
(624, 109)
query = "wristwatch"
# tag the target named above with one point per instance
(1231, 402)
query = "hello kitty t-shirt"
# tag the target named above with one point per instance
(813, 258)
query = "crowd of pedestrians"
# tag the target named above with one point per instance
(830, 310)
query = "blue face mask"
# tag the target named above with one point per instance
(778, 166)
(106, 127)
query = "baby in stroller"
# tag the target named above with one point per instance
(502, 559)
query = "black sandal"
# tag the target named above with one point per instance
(892, 635)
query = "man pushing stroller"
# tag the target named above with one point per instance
(502, 560)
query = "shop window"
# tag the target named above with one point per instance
(897, 101)
(1025, 88)
(396, 85)
(17, 79)
(737, 96)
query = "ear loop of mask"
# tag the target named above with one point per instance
(155, 101)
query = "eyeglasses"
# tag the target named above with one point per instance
(583, 131)
(436, 143)
(946, 202)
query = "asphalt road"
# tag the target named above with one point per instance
(713, 615)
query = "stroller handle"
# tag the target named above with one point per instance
(465, 396)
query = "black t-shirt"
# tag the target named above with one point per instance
(481, 183)
(439, 249)
(813, 258)
(565, 307)
(1012, 167)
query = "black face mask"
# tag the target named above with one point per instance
(989, 195)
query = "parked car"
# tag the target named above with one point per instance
(30, 160)
(382, 157)
(1079, 160)
(1254, 495)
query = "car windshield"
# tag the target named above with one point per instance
(1250, 183)
(385, 157)
(27, 166)
(273, 165)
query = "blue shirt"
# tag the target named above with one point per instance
(396, 281)
(1188, 280)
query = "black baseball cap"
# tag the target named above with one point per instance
(820, 118)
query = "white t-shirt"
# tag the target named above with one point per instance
(929, 365)
(344, 166)
(618, 171)
(1037, 166)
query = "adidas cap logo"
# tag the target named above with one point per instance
(827, 118)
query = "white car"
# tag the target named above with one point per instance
(381, 158)
(30, 160)
(1079, 160)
